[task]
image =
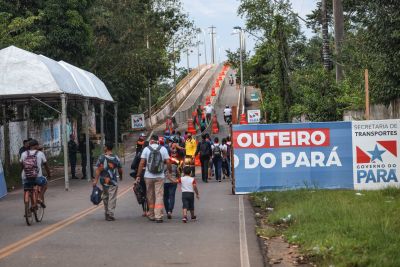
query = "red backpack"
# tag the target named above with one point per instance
(30, 166)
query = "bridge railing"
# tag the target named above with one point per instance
(183, 115)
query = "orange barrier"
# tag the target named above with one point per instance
(191, 128)
(197, 160)
(215, 129)
(243, 119)
(213, 91)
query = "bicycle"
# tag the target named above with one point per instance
(32, 206)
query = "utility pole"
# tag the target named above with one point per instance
(205, 48)
(339, 34)
(325, 37)
(212, 44)
(187, 60)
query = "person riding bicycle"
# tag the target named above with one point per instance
(227, 114)
(32, 174)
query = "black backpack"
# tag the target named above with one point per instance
(155, 163)
(217, 153)
(205, 149)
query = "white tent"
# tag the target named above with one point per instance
(25, 75)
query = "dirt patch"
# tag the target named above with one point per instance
(276, 251)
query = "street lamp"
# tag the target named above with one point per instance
(241, 61)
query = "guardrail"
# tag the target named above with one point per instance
(170, 96)
(183, 115)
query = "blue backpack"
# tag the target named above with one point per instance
(95, 197)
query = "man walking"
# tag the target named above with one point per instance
(204, 148)
(72, 150)
(209, 110)
(109, 169)
(154, 157)
(217, 158)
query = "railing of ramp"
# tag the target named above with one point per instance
(170, 96)
(183, 115)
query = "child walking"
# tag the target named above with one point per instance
(188, 187)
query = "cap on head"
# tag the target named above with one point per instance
(161, 140)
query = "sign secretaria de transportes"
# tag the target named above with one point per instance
(353, 155)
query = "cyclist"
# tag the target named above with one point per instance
(227, 114)
(32, 174)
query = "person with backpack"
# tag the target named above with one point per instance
(205, 151)
(154, 157)
(226, 171)
(109, 169)
(32, 174)
(141, 184)
(217, 158)
(82, 150)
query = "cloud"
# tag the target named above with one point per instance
(210, 9)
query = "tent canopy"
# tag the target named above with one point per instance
(25, 74)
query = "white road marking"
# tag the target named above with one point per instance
(244, 253)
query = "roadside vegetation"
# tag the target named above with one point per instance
(335, 227)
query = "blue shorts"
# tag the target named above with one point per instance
(40, 181)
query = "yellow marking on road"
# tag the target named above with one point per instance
(14, 247)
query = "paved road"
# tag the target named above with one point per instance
(74, 232)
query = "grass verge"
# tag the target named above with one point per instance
(340, 228)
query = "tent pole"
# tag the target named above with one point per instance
(64, 139)
(102, 123)
(86, 107)
(116, 125)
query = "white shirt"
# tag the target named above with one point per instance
(145, 155)
(209, 109)
(187, 183)
(227, 112)
(40, 159)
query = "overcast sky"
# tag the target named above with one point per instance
(223, 15)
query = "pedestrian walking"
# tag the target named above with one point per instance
(170, 187)
(72, 151)
(133, 174)
(209, 110)
(205, 151)
(188, 188)
(190, 150)
(154, 157)
(217, 158)
(203, 125)
(25, 146)
(226, 170)
(109, 169)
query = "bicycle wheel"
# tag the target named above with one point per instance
(28, 211)
(39, 212)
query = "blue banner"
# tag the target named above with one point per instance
(3, 186)
(349, 155)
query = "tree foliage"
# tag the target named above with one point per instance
(288, 68)
(130, 45)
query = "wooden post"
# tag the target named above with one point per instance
(366, 95)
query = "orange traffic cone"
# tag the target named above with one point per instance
(208, 100)
(197, 160)
(215, 129)
(243, 119)
(191, 128)
(217, 84)
(213, 91)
